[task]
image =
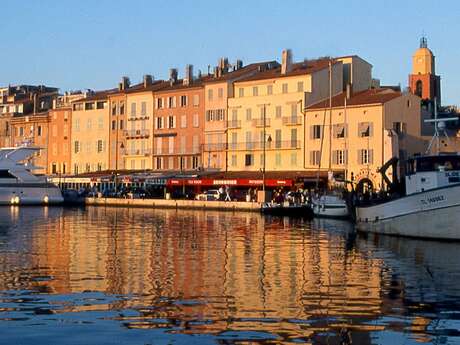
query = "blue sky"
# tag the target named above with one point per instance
(91, 44)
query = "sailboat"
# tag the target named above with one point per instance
(331, 204)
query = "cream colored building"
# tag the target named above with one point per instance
(90, 133)
(280, 93)
(361, 132)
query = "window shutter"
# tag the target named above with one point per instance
(360, 157)
(311, 132)
(174, 120)
(371, 156)
(321, 131)
(371, 129)
(345, 156)
(334, 156)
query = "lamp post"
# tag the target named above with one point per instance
(269, 139)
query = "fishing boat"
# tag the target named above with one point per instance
(18, 185)
(330, 206)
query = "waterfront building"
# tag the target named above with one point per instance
(138, 134)
(59, 134)
(179, 123)
(22, 100)
(217, 91)
(32, 130)
(265, 117)
(360, 131)
(117, 139)
(90, 132)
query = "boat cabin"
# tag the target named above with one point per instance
(430, 172)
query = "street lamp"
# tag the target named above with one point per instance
(269, 140)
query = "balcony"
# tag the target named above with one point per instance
(234, 124)
(292, 120)
(209, 147)
(260, 122)
(137, 133)
(165, 151)
(269, 145)
(141, 152)
(138, 118)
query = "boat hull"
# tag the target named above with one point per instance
(434, 214)
(330, 207)
(303, 211)
(34, 194)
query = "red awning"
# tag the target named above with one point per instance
(239, 182)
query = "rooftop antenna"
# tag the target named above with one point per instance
(439, 126)
(423, 40)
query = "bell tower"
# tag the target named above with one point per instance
(423, 80)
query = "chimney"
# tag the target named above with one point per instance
(223, 65)
(172, 76)
(349, 90)
(188, 79)
(148, 80)
(239, 64)
(286, 61)
(216, 72)
(54, 103)
(35, 98)
(124, 84)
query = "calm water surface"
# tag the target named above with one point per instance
(118, 276)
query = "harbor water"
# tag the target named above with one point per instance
(104, 275)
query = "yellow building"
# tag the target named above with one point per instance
(278, 94)
(361, 131)
(90, 133)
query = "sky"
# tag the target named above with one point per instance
(92, 44)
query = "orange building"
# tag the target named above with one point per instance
(179, 123)
(32, 130)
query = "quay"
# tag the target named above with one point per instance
(176, 204)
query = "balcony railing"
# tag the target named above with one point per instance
(141, 152)
(137, 133)
(292, 120)
(214, 147)
(165, 151)
(138, 118)
(260, 122)
(269, 145)
(234, 124)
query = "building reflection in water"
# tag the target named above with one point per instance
(206, 272)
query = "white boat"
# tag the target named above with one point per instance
(330, 206)
(429, 208)
(18, 185)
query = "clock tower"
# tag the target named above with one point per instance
(423, 81)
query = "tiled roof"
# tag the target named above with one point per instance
(305, 67)
(371, 96)
(241, 72)
(96, 95)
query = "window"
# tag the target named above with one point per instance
(89, 106)
(241, 92)
(278, 159)
(315, 157)
(195, 144)
(255, 91)
(133, 109)
(114, 125)
(418, 88)
(300, 86)
(143, 108)
(171, 102)
(54, 168)
(159, 123)
(77, 125)
(171, 145)
(248, 141)
(159, 162)
(339, 157)
(339, 131)
(183, 121)
(122, 108)
(78, 106)
(284, 88)
(316, 132)
(159, 145)
(269, 89)
(196, 100)
(195, 120)
(171, 122)
(294, 138)
(399, 128)
(159, 103)
(220, 92)
(183, 101)
(365, 129)
(75, 169)
(278, 138)
(114, 109)
(195, 162)
(210, 95)
(182, 144)
(121, 124)
(294, 159)
(21, 131)
(294, 110)
(39, 131)
(100, 105)
(278, 111)
(365, 156)
(248, 160)
(234, 161)
(234, 141)
(76, 147)
(100, 123)
(89, 124)
(248, 114)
